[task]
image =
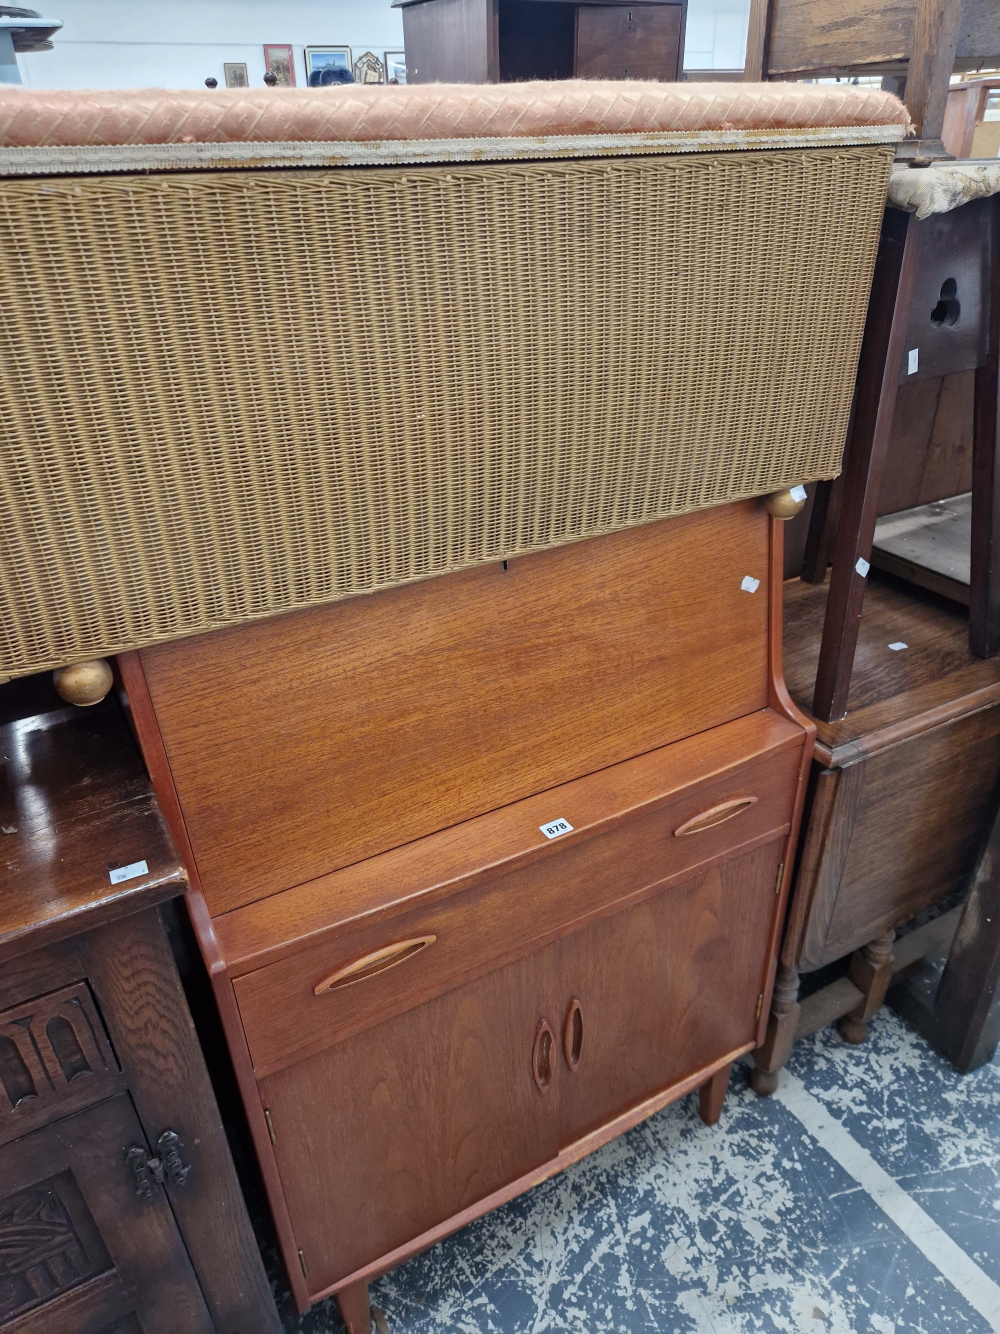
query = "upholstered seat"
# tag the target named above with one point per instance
(429, 122)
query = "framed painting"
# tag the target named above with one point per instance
(395, 67)
(236, 74)
(321, 58)
(278, 61)
(369, 69)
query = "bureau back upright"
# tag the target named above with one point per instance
(483, 390)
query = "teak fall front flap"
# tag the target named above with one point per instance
(304, 743)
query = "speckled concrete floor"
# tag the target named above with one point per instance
(864, 1197)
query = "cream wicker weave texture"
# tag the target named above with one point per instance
(227, 395)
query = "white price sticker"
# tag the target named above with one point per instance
(898, 645)
(913, 361)
(862, 567)
(556, 827)
(129, 872)
(798, 493)
(749, 584)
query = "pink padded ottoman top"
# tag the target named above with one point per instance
(92, 130)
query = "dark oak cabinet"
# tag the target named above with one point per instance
(501, 41)
(120, 1211)
(76, 1240)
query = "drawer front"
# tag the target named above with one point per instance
(55, 1057)
(359, 977)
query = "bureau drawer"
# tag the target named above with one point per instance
(632, 830)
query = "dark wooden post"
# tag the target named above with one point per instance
(928, 75)
(984, 592)
(875, 406)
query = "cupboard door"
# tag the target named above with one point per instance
(80, 1251)
(389, 1134)
(625, 42)
(660, 990)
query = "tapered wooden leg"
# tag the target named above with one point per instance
(355, 1308)
(712, 1095)
(776, 1048)
(871, 973)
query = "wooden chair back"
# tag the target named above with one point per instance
(919, 41)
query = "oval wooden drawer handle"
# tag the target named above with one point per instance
(715, 815)
(371, 964)
(541, 1056)
(573, 1034)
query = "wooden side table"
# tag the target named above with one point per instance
(120, 1210)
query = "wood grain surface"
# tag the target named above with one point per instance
(488, 919)
(79, 1165)
(75, 803)
(415, 875)
(133, 973)
(937, 674)
(430, 704)
(625, 42)
(927, 804)
(372, 1118)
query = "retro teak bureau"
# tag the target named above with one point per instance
(489, 828)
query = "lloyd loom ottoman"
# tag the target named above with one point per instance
(482, 389)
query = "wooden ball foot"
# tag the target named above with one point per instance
(853, 1031)
(83, 683)
(786, 504)
(764, 1082)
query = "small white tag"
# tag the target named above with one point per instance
(749, 585)
(798, 493)
(913, 361)
(129, 872)
(556, 827)
(862, 566)
(898, 645)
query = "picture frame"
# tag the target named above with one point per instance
(319, 58)
(395, 66)
(236, 74)
(278, 60)
(369, 69)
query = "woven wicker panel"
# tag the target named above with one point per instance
(227, 395)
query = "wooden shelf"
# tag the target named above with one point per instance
(75, 802)
(930, 545)
(893, 693)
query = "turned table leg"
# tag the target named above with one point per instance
(776, 1048)
(871, 973)
(712, 1095)
(355, 1308)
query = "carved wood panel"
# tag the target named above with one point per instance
(49, 1243)
(55, 1056)
(82, 1251)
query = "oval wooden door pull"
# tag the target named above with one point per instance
(573, 1034)
(715, 815)
(387, 957)
(541, 1056)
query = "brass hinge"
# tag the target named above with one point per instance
(302, 1262)
(760, 1006)
(777, 882)
(270, 1126)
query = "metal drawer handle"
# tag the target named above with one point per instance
(715, 815)
(387, 957)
